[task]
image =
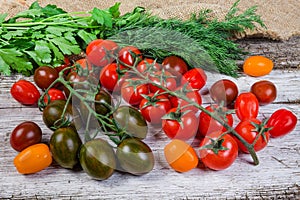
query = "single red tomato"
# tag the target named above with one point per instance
(163, 78)
(175, 65)
(196, 78)
(249, 129)
(100, 52)
(282, 122)
(54, 94)
(265, 92)
(111, 78)
(132, 91)
(207, 124)
(180, 125)
(246, 106)
(44, 76)
(148, 65)
(218, 151)
(154, 107)
(24, 135)
(25, 92)
(128, 55)
(194, 96)
(224, 91)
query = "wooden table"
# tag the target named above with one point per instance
(276, 177)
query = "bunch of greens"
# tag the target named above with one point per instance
(44, 35)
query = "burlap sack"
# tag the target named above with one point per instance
(281, 17)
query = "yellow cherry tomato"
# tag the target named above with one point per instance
(257, 66)
(33, 159)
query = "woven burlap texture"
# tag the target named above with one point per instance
(281, 17)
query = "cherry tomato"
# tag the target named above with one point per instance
(100, 52)
(128, 55)
(154, 107)
(132, 91)
(208, 125)
(33, 159)
(257, 66)
(54, 94)
(147, 65)
(196, 78)
(166, 79)
(249, 132)
(44, 76)
(24, 135)
(224, 91)
(218, 151)
(282, 122)
(84, 63)
(111, 79)
(25, 92)
(180, 156)
(191, 95)
(180, 125)
(175, 65)
(246, 106)
(265, 92)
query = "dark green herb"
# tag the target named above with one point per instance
(44, 35)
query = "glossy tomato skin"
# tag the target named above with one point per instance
(111, 79)
(247, 131)
(164, 78)
(147, 65)
(265, 92)
(132, 91)
(180, 156)
(223, 158)
(44, 76)
(132, 121)
(196, 78)
(282, 122)
(175, 65)
(24, 135)
(257, 66)
(174, 130)
(25, 92)
(135, 156)
(208, 125)
(246, 106)
(98, 159)
(225, 91)
(128, 55)
(64, 146)
(100, 52)
(54, 94)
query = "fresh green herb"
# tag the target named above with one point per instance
(44, 35)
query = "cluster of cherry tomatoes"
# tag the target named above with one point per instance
(165, 95)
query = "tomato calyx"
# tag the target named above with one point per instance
(216, 145)
(177, 115)
(261, 129)
(152, 100)
(222, 111)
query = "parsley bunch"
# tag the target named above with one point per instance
(44, 35)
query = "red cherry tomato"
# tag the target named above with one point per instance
(265, 92)
(175, 65)
(180, 125)
(132, 91)
(246, 106)
(100, 52)
(218, 152)
(54, 94)
(25, 92)
(111, 79)
(163, 78)
(196, 78)
(24, 135)
(282, 122)
(208, 125)
(44, 76)
(147, 65)
(153, 108)
(128, 55)
(249, 132)
(225, 91)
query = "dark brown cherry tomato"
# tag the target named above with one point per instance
(224, 91)
(44, 76)
(175, 65)
(24, 135)
(265, 91)
(25, 92)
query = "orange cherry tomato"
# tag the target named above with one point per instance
(33, 159)
(257, 66)
(180, 156)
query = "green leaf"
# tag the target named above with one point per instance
(102, 17)
(43, 51)
(4, 67)
(32, 13)
(65, 46)
(55, 30)
(86, 37)
(51, 10)
(69, 36)
(3, 17)
(115, 10)
(57, 54)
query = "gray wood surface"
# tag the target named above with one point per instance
(276, 177)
